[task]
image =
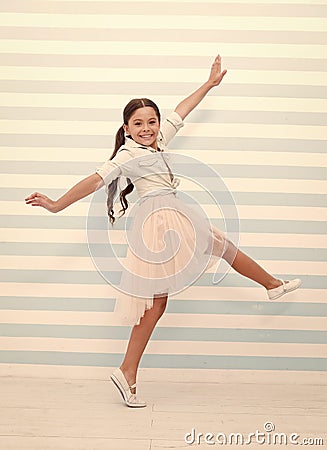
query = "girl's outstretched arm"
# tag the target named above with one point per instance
(188, 104)
(82, 189)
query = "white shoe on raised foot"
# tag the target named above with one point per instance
(287, 286)
(119, 380)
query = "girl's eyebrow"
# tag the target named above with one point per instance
(140, 120)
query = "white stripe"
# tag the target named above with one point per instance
(259, 2)
(165, 347)
(129, 22)
(91, 128)
(154, 48)
(244, 157)
(96, 74)
(254, 158)
(85, 263)
(212, 211)
(280, 212)
(249, 130)
(53, 235)
(233, 184)
(278, 185)
(65, 290)
(88, 318)
(213, 101)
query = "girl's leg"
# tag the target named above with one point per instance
(139, 338)
(246, 266)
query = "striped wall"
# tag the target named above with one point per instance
(67, 70)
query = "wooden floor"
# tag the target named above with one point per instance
(62, 413)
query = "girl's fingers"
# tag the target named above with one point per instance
(36, 199)
(31, 196)
(35, 196)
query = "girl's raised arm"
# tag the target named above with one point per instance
(188, 104)
(82, 189)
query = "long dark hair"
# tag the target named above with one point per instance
(129, 110)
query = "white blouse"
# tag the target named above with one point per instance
(145, 166)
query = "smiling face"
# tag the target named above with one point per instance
(144, 126)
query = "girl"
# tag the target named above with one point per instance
(138, 142)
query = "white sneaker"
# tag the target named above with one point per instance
(286, 287)
(119, 380)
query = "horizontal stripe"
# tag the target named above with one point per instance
(224, 170)
(165, 347)
(62, 265)
(17, 239)
(175, 35)
(274, 213)
(155, 48)
(167, 361)
(62, 268)
(90, 75)
(215, 334)
(163, 21)
(93, 277)
(134, 88)
(169, 320)
(48, 255)
(251, 226)
(65, 156)
(107, 104)
(160, 7)
(60, 304)
(80, 271)
(249, 130)
(238, 292)
(243, 308)
(131, 61)
(257, 2)
(208, 116)
(278, 185)
(241, 198)
(174, 306)
(179, 143)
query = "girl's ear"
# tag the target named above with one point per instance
(125, 129)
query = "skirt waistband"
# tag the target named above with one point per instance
(163, 191)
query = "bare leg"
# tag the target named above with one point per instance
(139, 338)
(246, 266)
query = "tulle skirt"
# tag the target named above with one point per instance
(170, 245)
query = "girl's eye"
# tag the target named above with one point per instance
(137, 124)
(152, 122)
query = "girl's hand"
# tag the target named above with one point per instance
(216, 75)
(37, 199)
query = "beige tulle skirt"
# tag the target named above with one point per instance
(170, 245)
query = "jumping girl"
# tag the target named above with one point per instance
(139, 142)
